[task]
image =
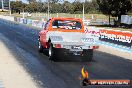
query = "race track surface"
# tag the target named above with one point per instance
(63, 74)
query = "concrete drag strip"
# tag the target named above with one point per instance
(11, 73)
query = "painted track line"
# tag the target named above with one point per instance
(115, 46)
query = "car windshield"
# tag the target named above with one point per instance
(66, 24)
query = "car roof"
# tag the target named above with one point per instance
(65, 18)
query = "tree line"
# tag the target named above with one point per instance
(55, 6)
(114, 8)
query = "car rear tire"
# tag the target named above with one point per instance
(52, 53)
(87, 55)
(40, 47)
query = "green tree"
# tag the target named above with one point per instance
(91, 7)
(115, 8)
(42, 7)
(77, 7)
(18, 6)
(67, 7)
(56, 8)
(32, 7)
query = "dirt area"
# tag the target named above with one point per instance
(12, 73)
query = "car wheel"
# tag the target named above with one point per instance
(87, 55)
(51, 52)
(40, 47)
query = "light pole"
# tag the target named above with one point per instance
(83, 11)
(10, 7)
(23, 15)
(48, 9)
(2, 5)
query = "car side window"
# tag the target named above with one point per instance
(55, 24)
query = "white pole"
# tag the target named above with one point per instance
(75, 16)
(2, 5)
(48, 9)
(79, 16)
(92, 16)
(57, 14)
(23, 14)
(83, 11)
(10, 7)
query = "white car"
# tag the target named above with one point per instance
(66, 36)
